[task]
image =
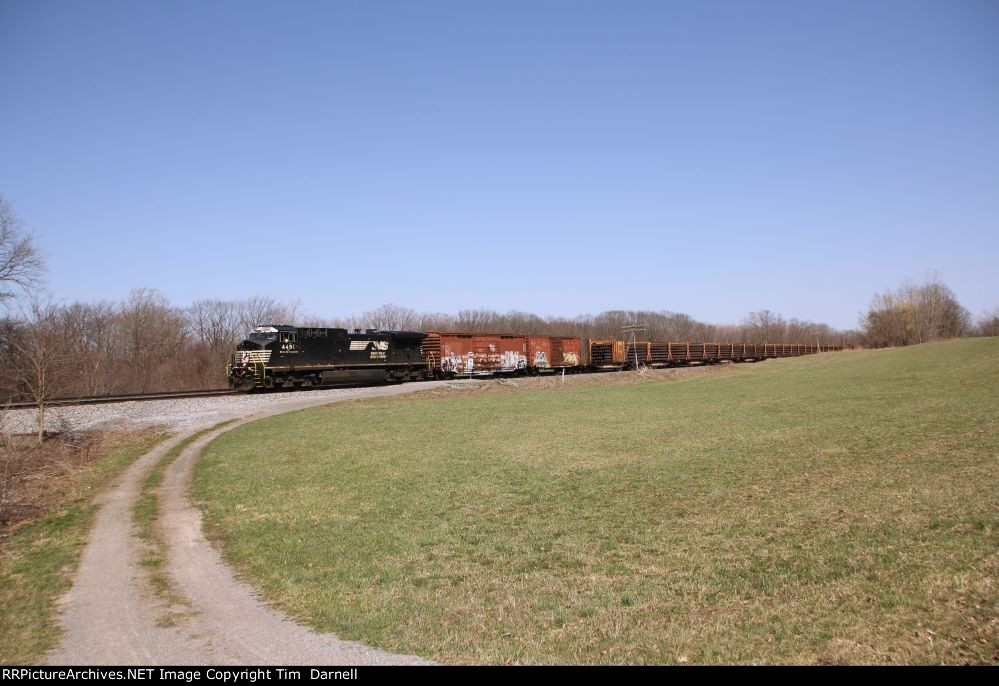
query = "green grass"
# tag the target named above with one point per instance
(837, 508)
(38, 559)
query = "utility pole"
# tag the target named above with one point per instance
(633, 329)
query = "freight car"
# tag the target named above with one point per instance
(482, 354)
(281, 356)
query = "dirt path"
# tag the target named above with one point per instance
(113, 616)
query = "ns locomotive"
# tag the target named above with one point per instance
(279, 356)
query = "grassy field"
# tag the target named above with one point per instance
(39, 557)
(829, 509)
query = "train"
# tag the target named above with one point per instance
(279, 356)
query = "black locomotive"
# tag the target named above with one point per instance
(279, 356)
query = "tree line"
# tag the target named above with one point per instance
(758, 327)
(145, 344)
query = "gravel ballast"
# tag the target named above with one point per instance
(172, 415)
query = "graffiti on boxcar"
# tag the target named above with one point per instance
(511, 360)
(540, 358)
(452, 363)
(570, 359)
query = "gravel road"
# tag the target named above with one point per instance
(112, 615)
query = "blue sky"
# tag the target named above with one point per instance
(556, 157)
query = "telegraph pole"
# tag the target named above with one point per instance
(634, 329)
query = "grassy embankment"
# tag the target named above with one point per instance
(39, 557)
(836, 508)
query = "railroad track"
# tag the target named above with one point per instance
(101, 399)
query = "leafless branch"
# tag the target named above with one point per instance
(21, 265)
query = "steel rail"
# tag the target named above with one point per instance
(124, 398)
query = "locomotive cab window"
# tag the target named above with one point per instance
(263, 335)
(289, 337)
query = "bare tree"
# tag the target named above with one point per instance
(391, 317)
(216, 327)
(915, 314)
(90, 334)
(988, 323)
(262, 309)
(477, 321)
(678, 326)
(765, 327)
(20, 263)
(215, 323)
(41, 356)
(436, 321)
(9, 329)
(154, 336)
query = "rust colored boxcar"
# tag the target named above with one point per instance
(552, 353)
(539, 353)
(478, 353)
(566, 352)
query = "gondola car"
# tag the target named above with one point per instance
(281, 356)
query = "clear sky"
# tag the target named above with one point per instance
(556, 157)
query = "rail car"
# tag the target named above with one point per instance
(281, 356)
(486, 354)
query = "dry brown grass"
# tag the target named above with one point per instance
(50, 508)
(37, 478)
